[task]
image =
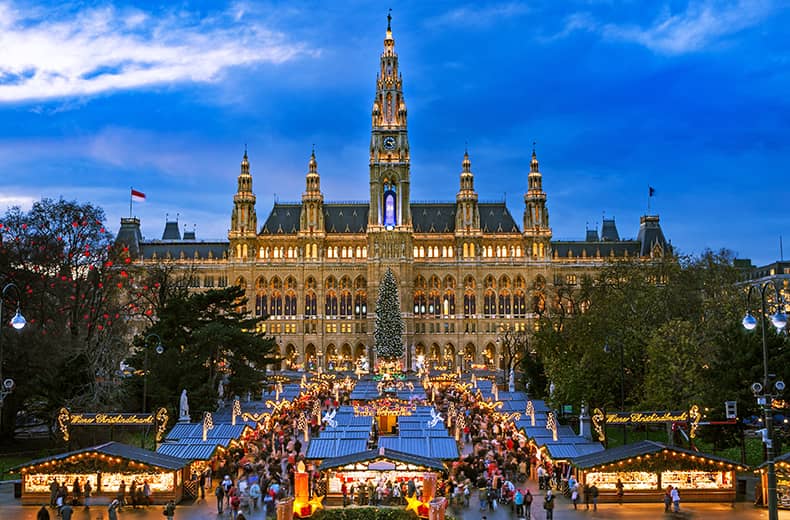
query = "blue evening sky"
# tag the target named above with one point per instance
(690, 97)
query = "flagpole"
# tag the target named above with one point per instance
(130, 201)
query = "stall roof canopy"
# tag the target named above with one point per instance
(321, 448)
(638, 449)
(198, 451)
(195, 431)
(382, 454)
(570, 451)
(443, 448)
(116, 449)
(785, 459)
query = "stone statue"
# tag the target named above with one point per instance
(511, 385)
(221, 389)
(183, 409)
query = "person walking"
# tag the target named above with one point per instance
(170, 510)
(112, 509)
(202, 485)
(575, 494)
(54, 487)
(518, 502)
(620, 491)
(255, 495)
(42, 514)
(594, 493)
(219, 492)
(675, 500)
(344, 491)
(88, 489)
(587, 496)
(528, 504)
(667, 499)
(548, 505)
(66, 511)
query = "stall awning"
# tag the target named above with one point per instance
(116, 449)
(195, 431)
(382, 454)
(321, 448)
(640, 449)
(188, 451)
(443, 448)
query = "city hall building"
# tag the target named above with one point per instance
(466, 269)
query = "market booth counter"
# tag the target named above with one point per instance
(646, 468)
(372, 465)
(782, 468)
(105, 466)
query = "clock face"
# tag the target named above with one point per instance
(389, 143)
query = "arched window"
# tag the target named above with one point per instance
(310, 308)
(489, 303)
(434, 304)
(448, 304)
(420, 303)
(390, 206)
(260, 297)
(519, 304)
(360, 304)
(504, 303)
(346, 308)
(330, 307)
(290, 303)
(470, 307)
(276, 304)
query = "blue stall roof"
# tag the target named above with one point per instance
(444, 448)
(320, 448)
(188, 451)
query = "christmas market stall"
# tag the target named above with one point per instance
(105, 466)
(646, 468)
(782, 468)
(362, 468)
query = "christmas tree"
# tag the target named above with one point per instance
(389, 323)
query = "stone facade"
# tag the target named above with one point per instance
(465, 269)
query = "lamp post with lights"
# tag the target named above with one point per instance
(761, 391)
(18, 322)
(159, 349)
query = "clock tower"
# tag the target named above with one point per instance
(389, 147)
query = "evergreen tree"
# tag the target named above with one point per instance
(389, 323)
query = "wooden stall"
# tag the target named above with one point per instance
(372, 466)
(646, 468)
(105, 466)
(782, 468)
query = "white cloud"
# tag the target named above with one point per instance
(101, 49)
(479, 16)
(703, 23)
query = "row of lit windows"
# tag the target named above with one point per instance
(334, 252)
(469, 327)
(311, 252)
(344, 306)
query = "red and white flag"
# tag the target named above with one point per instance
(139, 196)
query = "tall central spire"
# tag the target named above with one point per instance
(389, 144)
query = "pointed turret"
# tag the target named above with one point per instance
(467, 215)
(243, 221)
(311, 219)
(537, 233)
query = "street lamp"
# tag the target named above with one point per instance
(607, 349)
(18, 322)
(779, 321)
(159, 349)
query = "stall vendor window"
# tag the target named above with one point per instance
(39, 482)
(630, 479)
(697, 479)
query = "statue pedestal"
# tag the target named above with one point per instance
(183, 418)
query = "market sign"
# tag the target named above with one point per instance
(66, 420)
(646, 417)
(692, 416)
(386, 406)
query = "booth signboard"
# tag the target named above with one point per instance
(67, 420)
(600, 419)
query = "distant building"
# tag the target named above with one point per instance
(465, 268)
